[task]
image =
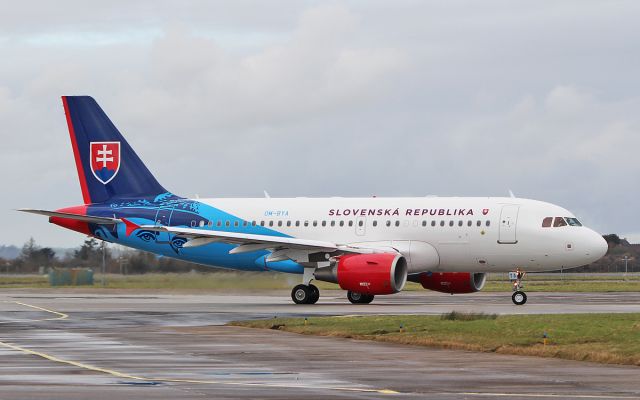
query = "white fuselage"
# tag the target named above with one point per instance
(480, 234)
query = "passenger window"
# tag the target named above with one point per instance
(460, 223)
(261, 223)
(279, 223)
(547, 222)
(193, 224)
(388, 223)
(210, 224)
(219, 223)
(270, 223)
(450, 223)
(433, 223)
(333, 223)
(478, 223)
(315, 223)
(441, 223)
(469, 223)
(397, 223)
(559, 221)
(360, 223)
(288, 223)
(236, 223)
(350, 223)
(227, 223)
(324, 223)
(424, 223)
(244, 223)
(375, 223)
(306, 223)
(253, 223)
(487, 223)
(297, 223)
(341, 223)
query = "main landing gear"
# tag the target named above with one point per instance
(305, 294)
(519, 297)
(359, 298)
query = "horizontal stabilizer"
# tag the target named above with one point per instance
(77, 217)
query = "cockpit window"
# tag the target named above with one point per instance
(559, 221)
(573, 221)
(547, 222)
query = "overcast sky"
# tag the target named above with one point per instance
(393, 98)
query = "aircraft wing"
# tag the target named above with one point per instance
(77, 217)
(282, 247)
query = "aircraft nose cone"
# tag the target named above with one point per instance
(602, 247)
(598, 247)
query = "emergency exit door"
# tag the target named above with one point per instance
(508, 223)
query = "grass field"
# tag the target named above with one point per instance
(603, 338)
(275, 281)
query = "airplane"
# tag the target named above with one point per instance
(368, 246)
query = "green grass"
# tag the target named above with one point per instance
(275, 281)
(567, 286)
(604, 338)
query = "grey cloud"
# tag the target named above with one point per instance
(321, 99)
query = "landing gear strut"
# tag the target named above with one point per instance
(359, 298)
(519, 297)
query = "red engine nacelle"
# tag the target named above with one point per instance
(452, 282)
(382, 273)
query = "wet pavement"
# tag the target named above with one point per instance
(112, 345)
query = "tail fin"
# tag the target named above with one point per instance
(107, 166)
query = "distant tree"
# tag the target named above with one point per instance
(89, 254)
(44, 257)
(612, 239)
(140, 262)
(29, 249)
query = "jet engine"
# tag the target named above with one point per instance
(451, 282)
(372, 274)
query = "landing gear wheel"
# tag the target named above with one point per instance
(315, 294)
(366, 299)
(302, 294)
(359, 298)
(519, 298)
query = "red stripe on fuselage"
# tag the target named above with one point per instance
(76, 154)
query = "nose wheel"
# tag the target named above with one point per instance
(518, 297)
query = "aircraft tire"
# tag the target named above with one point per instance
(315, 294)
(519, 298)
(359, 298)
(366, 299)
(302, 294)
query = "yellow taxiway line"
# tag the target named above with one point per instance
(61, 316)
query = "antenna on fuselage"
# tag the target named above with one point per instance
(513, 196)
(266, 195)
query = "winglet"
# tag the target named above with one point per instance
(129, 226)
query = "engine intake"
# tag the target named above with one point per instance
(451, 282)
(381, 273)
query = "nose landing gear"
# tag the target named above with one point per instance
(519, 297)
